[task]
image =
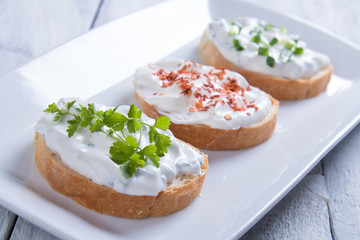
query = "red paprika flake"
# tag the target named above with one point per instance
(208, 88)
(192, 109)
(227, 117)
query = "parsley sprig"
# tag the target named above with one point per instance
(126, 131)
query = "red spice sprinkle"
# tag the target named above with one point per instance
(249, 114)
(211, 91)
(154, 93)
(227, 117)
(192, 109)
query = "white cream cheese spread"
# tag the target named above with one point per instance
(191, 93)
(88, 154)
(255, 45)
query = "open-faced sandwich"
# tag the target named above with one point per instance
(269, 58)
(115, 160)
(210, 108)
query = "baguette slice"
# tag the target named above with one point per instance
(106, 200)
(279, 88)
(205, 137)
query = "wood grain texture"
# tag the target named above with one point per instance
(24, 230)
(342, 172)
(7, 221)
(30, 28)
(302, 214)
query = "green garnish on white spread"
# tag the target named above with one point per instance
(126, 131)
(239, 42)
(290, 47)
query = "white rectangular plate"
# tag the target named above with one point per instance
(241, 186)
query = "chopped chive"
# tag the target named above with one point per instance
(283, 30)
(268, 26)
(296, 40)
(270, 61)
(273, 41)
(237, 45)
(234, 30)
(232, 23)
(256, 39)
(288, 45)
(298, 50)
(263, 51)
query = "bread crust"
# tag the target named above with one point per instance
(279, 88)
(205, 137)
(106, 200)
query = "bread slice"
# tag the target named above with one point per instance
(205, 137)
(106, 200)
(279, 88)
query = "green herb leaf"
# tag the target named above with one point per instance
(162, 142)
(273, 41)
(283, 30)
(125, 149)
(74, 124)
(268, 26)
(298, 51)
(70, 104)
(134, 112)
(150, 152)
(52, 108)
(256, 39)
(237, 45)
(263, 51)
(87, 115)
(162, 123)
(115, 120)
(289, 45)
(133, 126)
(131, 141)
(120, 152)
(130, 167)
(97, 125)
(270, 61)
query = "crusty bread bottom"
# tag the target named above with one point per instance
(106, 200)
(279, 88)
(202, 136)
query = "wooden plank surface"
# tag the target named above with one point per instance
(302, 214)
(342, 172)
(24, 230)
(7, 222)
(30, 28)
(325, 205)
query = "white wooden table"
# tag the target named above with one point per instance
(325, 205)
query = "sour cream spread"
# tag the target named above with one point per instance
(88, 154)
(239, 42)
(191, 93)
